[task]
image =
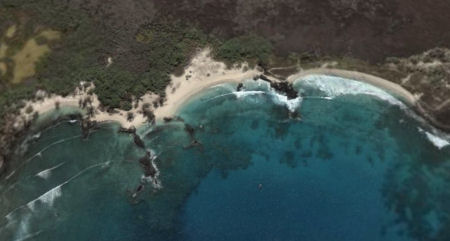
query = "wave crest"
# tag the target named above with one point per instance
(333, 87)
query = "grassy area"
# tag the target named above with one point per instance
(25, 59)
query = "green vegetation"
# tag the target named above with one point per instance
(245, 48)
(168, 46)
(11, 99)
(82, 48)
(78, 56)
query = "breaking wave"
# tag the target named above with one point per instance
(47, 172)
(39, 154)
(260, 87)
(47, 198)
(333, 87)
(438, 141)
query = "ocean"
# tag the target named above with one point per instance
(345, 161)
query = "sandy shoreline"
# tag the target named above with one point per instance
(202, 73)
(80, 95)
(389, 86)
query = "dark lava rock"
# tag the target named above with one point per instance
(177, 118)
(146, 163)
(86, 126)
(295, 115)
(131, 130)
(285, 88)
(189, 129)
(265, 78)
(138, 141)
(75, 117)
(282, 87)
(239, 87)
(167, 119)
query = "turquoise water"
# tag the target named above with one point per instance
(355, 166)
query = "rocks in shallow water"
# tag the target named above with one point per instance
(130, 130)
(239, 87)
(167, 119)
(265, 78)
(138, 141)
(295, 115)
(282, 86)
(136, 138)
(285, 88)
(146, 162)
(86, 126)
(189, 129)
(75, 117)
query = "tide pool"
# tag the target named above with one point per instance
(351, 163)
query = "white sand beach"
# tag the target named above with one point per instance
(203, 72)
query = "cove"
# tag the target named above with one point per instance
(236, 165)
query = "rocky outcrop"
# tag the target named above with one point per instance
(86, 127)
(131, 130)
(138, 141)
(283, 87)
(147, 165)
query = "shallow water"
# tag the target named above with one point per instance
(354, 167)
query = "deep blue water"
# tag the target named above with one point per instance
(348, 167)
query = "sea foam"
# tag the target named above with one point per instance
(47, 198)
(436, 140)
(277, 98)
(333, 87)
(47, 172)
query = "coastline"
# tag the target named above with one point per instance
(392, 88)
(202, 73)
(82, 97)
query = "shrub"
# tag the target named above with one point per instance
(249, 47)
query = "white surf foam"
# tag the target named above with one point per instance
(47, 198)
(47, 172)
(291, 104)
(36, 136)
(156, 183)
(263, 88)
(439, 142)
(333, 87)
(23, 228)
(44, 174)
(50, 196)
(39, 154)
(277, 98)
(245, 93)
